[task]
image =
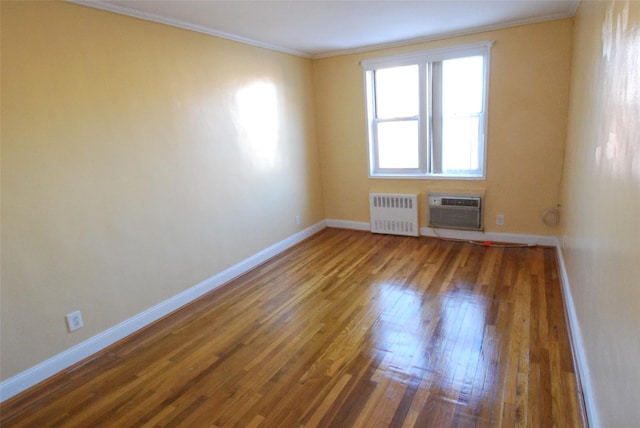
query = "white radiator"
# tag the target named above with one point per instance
(394, 214)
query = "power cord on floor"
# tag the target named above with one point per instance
(482, 243)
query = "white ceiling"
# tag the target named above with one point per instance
(321, 28)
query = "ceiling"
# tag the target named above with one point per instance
(321, 28)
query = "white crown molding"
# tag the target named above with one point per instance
(574, 8)
(441, 36)
(121, 10)
(110, 7)
(36, 374)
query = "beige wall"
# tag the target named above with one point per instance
(601, 202)
(528, 104)
(135, 164)
(138, 160)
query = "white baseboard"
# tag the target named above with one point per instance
(577, 345)
(71, 356)
(79, 352)
(472, 235)
(346, 224)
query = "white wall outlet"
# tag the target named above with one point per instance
(500, 219)
(74, 321)
(297, 219)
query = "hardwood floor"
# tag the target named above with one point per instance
(345, 329)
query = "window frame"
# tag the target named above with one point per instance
(426, 147)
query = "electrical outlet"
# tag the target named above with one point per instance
(297, 219)
(74, 321)
(500, 219)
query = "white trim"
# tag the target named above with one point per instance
(428, 55)
(110, 7)
(472, 235)
(574, 9)
(347, 224)
(577, 345)
(575, 336)
(429, 163)
(468, 235)
(428, 177)
(123, 10)
(77, 353)
(442, 36)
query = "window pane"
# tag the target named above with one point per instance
(398, 144)
(462, 111)
(397, 92)
(461, 144)
(462, 82)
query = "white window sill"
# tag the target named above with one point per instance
(427, 177)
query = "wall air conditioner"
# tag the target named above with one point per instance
(455, 211)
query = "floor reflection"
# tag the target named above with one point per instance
(439, 347)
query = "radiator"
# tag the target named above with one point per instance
(455, 211)
(394, 214)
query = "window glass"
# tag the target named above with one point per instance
(462, 86)
(397, 92)
(426, 113)
(460, 146)
(462, 104)
(398, 144)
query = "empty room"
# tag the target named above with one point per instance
(320, 213)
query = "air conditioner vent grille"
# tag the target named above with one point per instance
(461, 202)
(455, 212)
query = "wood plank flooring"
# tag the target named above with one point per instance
(347, 329)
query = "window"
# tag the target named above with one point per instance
(426, 113)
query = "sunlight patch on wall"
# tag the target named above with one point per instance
(618, 150)
(256, 116)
